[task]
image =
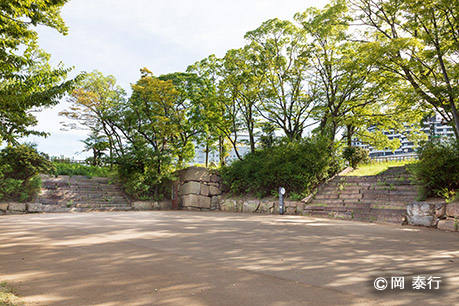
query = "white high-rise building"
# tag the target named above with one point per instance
(433, 127)
(243, 148)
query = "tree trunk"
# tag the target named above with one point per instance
(207, 154)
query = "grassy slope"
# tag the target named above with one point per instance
(376, 168)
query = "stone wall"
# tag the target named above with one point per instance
(23, 208)
(151, 205)
(263, 206)
(434, 213)
(199, 189)
(449, 217)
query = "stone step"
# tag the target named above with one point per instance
(94, 205)
(394, 201)
(387, 197)
(326, 202)
(105, 209)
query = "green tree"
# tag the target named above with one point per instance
(27, 81)
(241, 83)
(220, 111)
(193, 91)
(151, 124)
(417, 42)
(95, 106)
(288, 97)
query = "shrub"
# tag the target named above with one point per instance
(19, 169)
(298, 167)
(355, 156)
(438, 166)
(145, 175)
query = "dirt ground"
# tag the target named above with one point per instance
(198, 258)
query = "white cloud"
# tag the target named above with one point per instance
(120, 37)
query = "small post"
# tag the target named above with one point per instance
(281, 200)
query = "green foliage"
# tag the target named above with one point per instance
(78, 169)
(355, 156)
(297, 166)
(27, 80)
(438, 166)
(19, 169)
(415, 43)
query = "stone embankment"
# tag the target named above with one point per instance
(381, 198)
(388, 197)
(73, 194)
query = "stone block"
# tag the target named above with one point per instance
(440, 210)
(213, 190)
(193, 200)
(420, 209)
(229, 205)
(448, 225)
(290, 210)
(215, 203)
(215, 178)
(35, 207)
(275, 208)
(265, 207)
(18, 207)
(352, 196)
(142, 205)
(54, 208)
(205, 190)
(452, 210)
(195, 174)
(190, 188)
(3, 206)
(165, 205)
(250, 206)
(427, 221)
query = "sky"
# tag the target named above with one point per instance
(120, 37)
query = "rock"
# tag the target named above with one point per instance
(215, 203)
(35, 207)
(195, 174)
(17, 207)
(3, 206)
(427, 221)
(215, 178)
(229, 205)
(142, 205)
(265, 207)
(448, 225)
(420, 209)
(213, 190)
(165, 205)
(190, 188)
(452, 210)
(440, 210)
(193, 200)
(250, 206)
(205, 190)
(300, 208)
(54, 208)
(290, 210)
(275, 208)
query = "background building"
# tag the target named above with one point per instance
(432, 127)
